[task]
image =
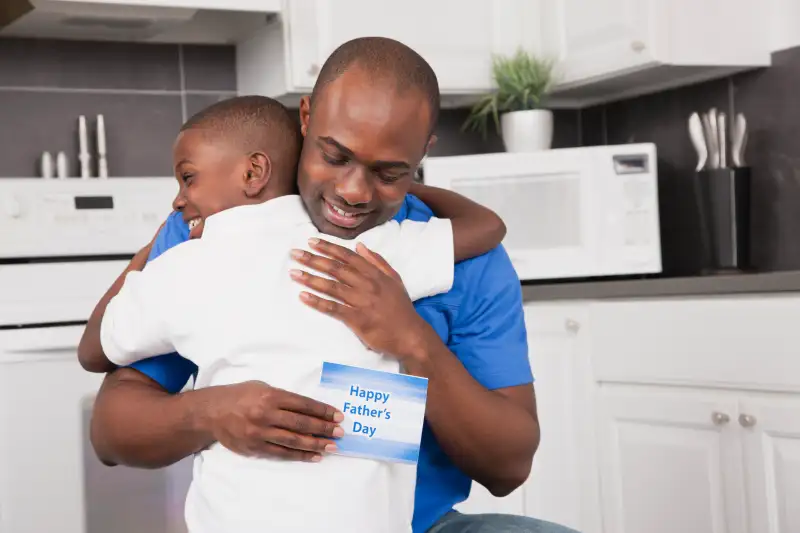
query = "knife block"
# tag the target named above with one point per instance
(724, 205)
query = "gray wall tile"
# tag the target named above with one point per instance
(768, 98)
(140, 129)
(198, 102)
(453, 141)
(79, 64)
(593, 126)
(209, 68)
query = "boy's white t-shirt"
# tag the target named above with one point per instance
(227, 303)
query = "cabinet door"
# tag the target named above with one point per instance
(457, 37)
(564, 484)
(670, 461)
(600, 37)
(771, 428)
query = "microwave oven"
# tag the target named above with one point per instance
(570, 213)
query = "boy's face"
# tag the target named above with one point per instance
(360, 152)
(210, 177)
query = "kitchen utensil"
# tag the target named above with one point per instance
(61, 166)
(47, 165)
(711, 141)
(698, 140)
(722, 132)
(102, 162)
(83, 147)
(739, 140)
(712, 119)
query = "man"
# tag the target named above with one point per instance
(364, 136)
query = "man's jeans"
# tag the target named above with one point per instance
(494, 523)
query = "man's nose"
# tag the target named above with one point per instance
(355, 188)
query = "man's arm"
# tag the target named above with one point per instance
(476, 229)
(481, 405)
(138, 423)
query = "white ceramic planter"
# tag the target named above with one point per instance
(527, 131)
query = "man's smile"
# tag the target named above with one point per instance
(342, 216)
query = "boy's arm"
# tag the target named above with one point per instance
(136, 323)
(90, 349)
(131, 321)
(476, 229)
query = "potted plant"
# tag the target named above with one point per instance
(523, 80)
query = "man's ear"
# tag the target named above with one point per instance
(305, 114)
(259, 170)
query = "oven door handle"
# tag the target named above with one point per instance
(40, 344)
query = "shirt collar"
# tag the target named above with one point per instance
(402, 214)
(284, 211)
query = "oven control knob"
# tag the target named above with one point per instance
(11, 207)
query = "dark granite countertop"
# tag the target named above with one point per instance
(657, 287)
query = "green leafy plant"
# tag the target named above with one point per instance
(523, 80)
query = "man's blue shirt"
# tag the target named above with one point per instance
(481, 321)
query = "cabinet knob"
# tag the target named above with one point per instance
(313, 70)
(637, 46)
(720, 419)
(747, 421)
(572, 326)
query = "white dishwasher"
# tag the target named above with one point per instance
(62, 244)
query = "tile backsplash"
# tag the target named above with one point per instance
(144, 92)
(768, 99)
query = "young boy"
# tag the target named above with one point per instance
(227, 303)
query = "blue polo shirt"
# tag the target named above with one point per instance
(481, 321)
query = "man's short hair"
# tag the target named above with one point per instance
(255, 124)
(385, 59)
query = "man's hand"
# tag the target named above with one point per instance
(256, 420)
(375, 303)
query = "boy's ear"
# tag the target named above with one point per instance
(431, 143)
(259, 170)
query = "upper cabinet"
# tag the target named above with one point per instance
(178, 21)
(457, 37)
(611, 49)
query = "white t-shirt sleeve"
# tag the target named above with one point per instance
(421, 252)
(136, 323)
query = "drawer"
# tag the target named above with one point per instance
(750, 342)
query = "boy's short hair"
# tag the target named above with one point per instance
(256, 124)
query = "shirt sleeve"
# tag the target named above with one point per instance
(174, 232)
(171, 371)
(421, 252)
(488, 333)
(136, 322)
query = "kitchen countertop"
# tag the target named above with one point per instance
(788, 281)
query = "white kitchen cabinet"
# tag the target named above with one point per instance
(457, 37)
(770, 427)
(612, 49)
(564, 485)
(671, 461)
(698, 411)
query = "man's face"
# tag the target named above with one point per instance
(361, 149)
(209, 177)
